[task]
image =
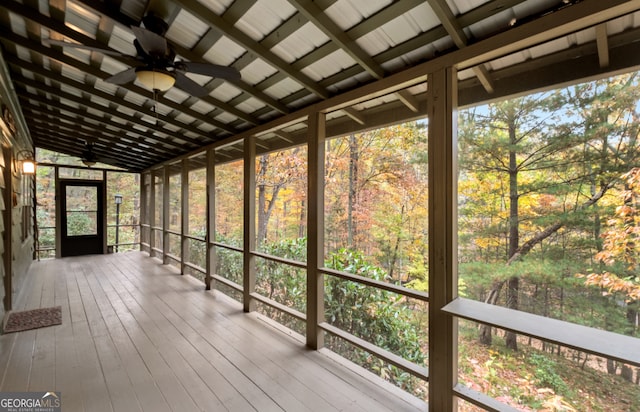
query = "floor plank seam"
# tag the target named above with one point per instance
(137, 335)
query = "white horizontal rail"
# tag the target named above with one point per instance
(625, 349)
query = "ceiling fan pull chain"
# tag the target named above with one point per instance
(154, 108)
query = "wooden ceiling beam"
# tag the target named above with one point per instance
(58, 78)
(121, 151)
(248, 43)
(451, 25)
(82, 117)
(59, 94)
(354, 115)
(575, 17)
(59, 27)
(408, 100)
(61, 57)
(128, 146)
(196, 54)
(320, 19)
(486, 10)
(63, 132)
(297, 20)
(556, 69)
(62, 145)
(471, 17)
(602, 40)
(43, 135)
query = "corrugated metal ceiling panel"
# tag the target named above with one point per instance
(299, 44)
(283, 89)
(264, 17)
(329, 65)
(257, 71)
(82, 19)
(217, 6)
(225, 51)
(348, 13)
(186, 29)
(287, 59)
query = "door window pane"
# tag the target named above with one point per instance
(82, 210)
(82, 223)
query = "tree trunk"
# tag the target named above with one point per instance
(513, 284)
(484, 334)
(632, 318)
(627, 373)
(264, 208)
(302, 225)
(262, 200)
(394, 254)
(353, 193)
(484, 331)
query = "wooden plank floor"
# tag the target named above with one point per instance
(137, 336)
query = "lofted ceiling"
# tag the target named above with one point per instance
(291, 54)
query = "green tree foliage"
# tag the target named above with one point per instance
(385, 318)
(619, 260)
(536, 173)
(229, 194)
(376, 198)
(283, 283)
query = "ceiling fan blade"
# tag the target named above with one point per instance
(126, 76)
(189, 86)
(213, 70)
(152, 43)
(82, 46)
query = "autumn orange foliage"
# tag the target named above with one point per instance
(621, 245)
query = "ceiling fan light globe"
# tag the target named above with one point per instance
(155, 79)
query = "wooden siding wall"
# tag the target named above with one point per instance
(15, 248)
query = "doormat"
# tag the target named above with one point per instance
(33, 319)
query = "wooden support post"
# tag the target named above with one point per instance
(58, 195)
(315, 230)
(249, 261)
(166, 215)
(443, 272)
(144, 211)
(105, 219)
(152, 214)
(210, 236)
(184, 205)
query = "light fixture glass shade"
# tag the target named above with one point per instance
(155, 79)
(28, 167)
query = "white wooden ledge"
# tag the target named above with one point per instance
(625, 349)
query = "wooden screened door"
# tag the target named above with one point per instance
(82, 207)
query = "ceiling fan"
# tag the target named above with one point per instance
(155, 65)
(88, 156)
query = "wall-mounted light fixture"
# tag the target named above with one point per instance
(28, 161)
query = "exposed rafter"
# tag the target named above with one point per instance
(251, 45)
(364, 75)
(451, 25)
(603, 44)
(313, 13)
